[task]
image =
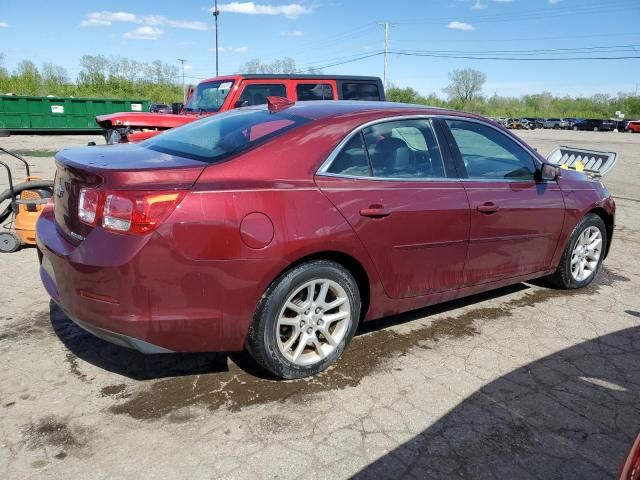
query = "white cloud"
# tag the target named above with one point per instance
(106, 19)
(4, 24)
(479, 5)
(292, 10)
(233, 50)
(460, 26)
(145, 33)
(294, 33)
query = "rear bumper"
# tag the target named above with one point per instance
(143, 293)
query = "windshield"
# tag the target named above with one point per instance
(208, 97)
(221, 136)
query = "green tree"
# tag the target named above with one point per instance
(466, 85)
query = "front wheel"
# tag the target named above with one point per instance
(305, 320)
(583, 254)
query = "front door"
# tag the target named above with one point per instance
(391, 184)
(515, 220)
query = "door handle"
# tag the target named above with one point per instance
(488, 208)
(375, 211)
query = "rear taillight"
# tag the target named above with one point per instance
(88, 205)
(127, 211)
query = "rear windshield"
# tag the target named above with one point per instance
(221, 136)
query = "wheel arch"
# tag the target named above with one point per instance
(353, 265)
(608, 220)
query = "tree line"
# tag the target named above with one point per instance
(464, 92)
(119, 77)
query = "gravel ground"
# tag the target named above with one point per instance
(524, 382)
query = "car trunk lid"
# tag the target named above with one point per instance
(118, 167)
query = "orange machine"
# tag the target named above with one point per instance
(26, 201)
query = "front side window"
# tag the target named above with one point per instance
(221, 136)
(314, 91)
(360, 91)
(404, 149)
(208, 97)
(256, 94)
(489, 154)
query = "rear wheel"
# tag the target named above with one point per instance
(305, 320)
(583, 254)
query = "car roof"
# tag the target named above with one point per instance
(324, 109)
(292, 76)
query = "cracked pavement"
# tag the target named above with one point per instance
(522, 382)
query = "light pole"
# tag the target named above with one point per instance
(216, 12)
(386, 50)
(184, 92)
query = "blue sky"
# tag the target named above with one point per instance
(326, 32)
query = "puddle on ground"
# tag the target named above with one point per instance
(54, 432)
(241, 387)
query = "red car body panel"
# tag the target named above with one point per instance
(633, 127)
(145, 119)
(193, 284)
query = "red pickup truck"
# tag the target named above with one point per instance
(225, 93)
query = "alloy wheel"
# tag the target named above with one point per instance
(313, 322)
(586, 254)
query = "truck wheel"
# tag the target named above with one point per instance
(583, 254)
(9, 242)
(305, 320)
(113, 136)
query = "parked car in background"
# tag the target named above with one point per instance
(633, 126)
(220, 94)
(159, 108)
(534, 122)
(556, 123)
(517, 124)
(280, 228)
(594, 125)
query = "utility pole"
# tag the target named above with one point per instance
(216, 12)
(184, 92)
(386, 50)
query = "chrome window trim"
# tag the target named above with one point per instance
(322, 170)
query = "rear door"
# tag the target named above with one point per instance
(390, 183)
(515, 220)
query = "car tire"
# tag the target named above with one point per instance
(575, 129)
(556, 127)
(595, 129)
(293, 310)
(568, 275)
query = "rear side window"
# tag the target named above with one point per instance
(360, 91)
(221, 136)
(257, 94)
(352, 159)
(489, 154)
(405, 149)
(314, 91)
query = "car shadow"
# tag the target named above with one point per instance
(132, 364)
(572, 414)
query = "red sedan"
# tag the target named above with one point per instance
(278, 229)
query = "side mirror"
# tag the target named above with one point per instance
(241, 103)
(549, 172)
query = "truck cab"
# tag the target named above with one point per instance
(235, 91)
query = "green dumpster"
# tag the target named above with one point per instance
(19, 113)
